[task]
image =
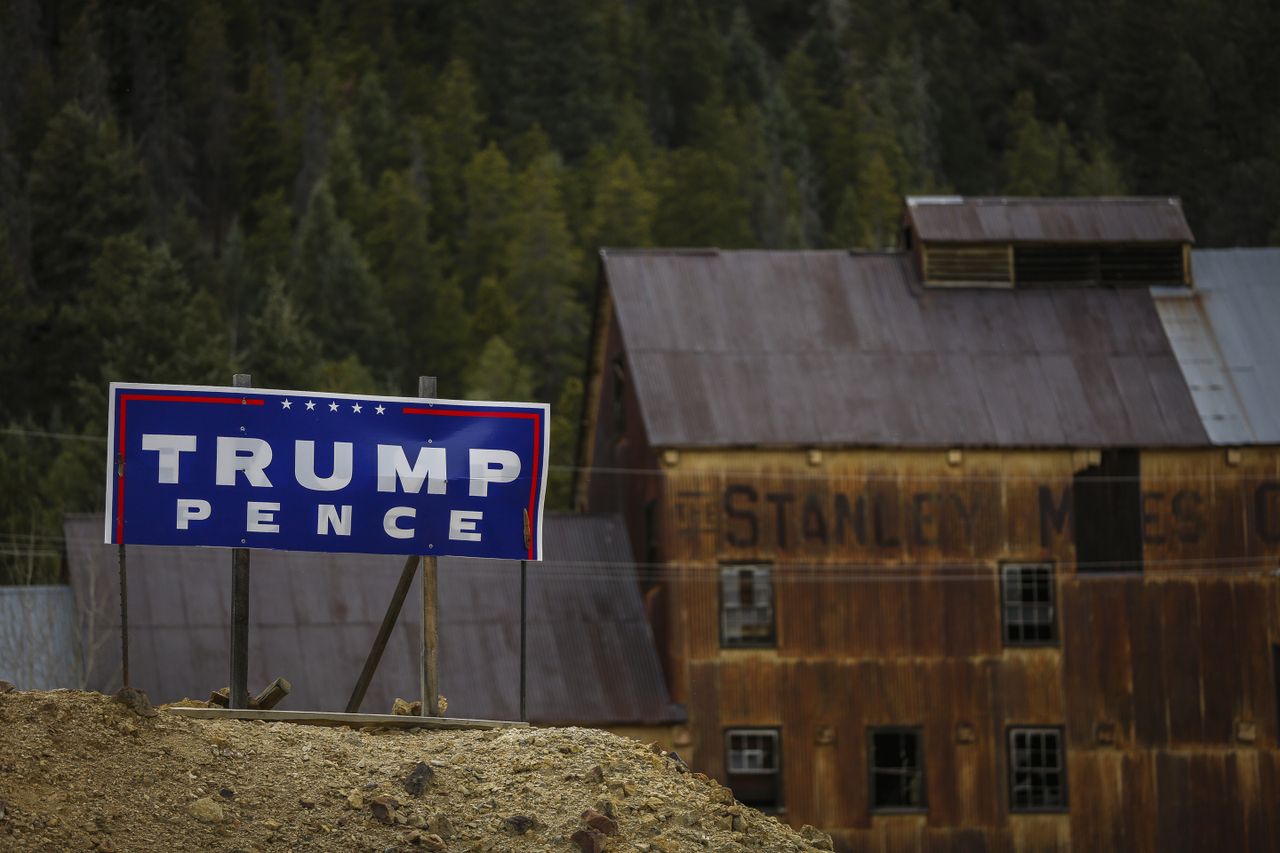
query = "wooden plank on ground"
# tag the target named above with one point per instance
(334, 718)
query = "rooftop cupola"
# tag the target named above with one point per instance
(1048, 242)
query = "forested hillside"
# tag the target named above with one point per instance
(342, 195)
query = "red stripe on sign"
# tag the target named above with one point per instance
(536, 417)
(162, 398)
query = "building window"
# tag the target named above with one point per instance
(746, 606)
(897, 770)
(1027, 593)
(1037, 772)
(1108, 514)
(754, 762)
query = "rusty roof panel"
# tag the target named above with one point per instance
(592, 658)
(1223, 333)
(759, 348)
(1048, 220)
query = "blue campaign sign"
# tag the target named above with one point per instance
(311, 471)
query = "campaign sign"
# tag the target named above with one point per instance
(312, 471)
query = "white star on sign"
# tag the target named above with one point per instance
(311, 407)
(333, 407)
(286, 405)
(379, 409)
(356, 408)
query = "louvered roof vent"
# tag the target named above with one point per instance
(1043, 242)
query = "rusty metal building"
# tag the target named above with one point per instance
(972, 546)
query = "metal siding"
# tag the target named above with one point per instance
(1223, 334)
(591, 652)
(759, 348)
(37, 637)
(1049, 220)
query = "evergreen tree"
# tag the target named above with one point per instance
(375, 131)
(452, 138)
(282, 352)
(622, 210)
(331, 279)
(483, 245)
(701, 203)
(431, 321)
(498, 374)
(543, 266)
(565, 420)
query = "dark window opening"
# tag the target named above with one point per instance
(753, 763)
(1107, 514)
(1027, 596)
(1110, 265)
(1037, 772)
(746, 606)
(897, 770)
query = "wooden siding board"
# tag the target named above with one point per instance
(1151, 724)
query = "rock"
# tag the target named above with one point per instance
(3, 808)
(135, 700)
(816, 837)
(441, 825)
(605, 806)
(687, 819)
(206, 810)
(442, 705)
(401, 708)
(105, 845)
(596, 774)
(517, 824)
(431, 842)
(416, 782)
(384, 809)
(355, 800)
(227, 793)
(7, 687)
(601, 823)
(308, 802)
(588, 840)
(678, 761)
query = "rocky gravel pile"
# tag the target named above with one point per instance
(84, 771)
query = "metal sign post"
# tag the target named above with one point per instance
(240, 607)
(124, 617)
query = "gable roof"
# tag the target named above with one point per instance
(591, 654)
(762, 348)
(1224, 333)
(1048, 220)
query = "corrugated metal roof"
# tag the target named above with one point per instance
(37, 637)
(1224, 333)
(591, 653)
(831, 348)
(1048, 220)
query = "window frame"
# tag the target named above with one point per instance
(774, 733)
(725, 641)
(1060, 733)
(1005, 605)
(872, 770)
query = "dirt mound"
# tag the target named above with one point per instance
(83, 771)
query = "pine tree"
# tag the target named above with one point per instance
(498, 374)
(1032, 160)
(331, 279)
(452, 138)
(701, 203)
(622, 209)
(483, 245)
(565, 419)
(431, 321)
(543, 266)
(374, 128)
(85, 186)
(282, 352)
